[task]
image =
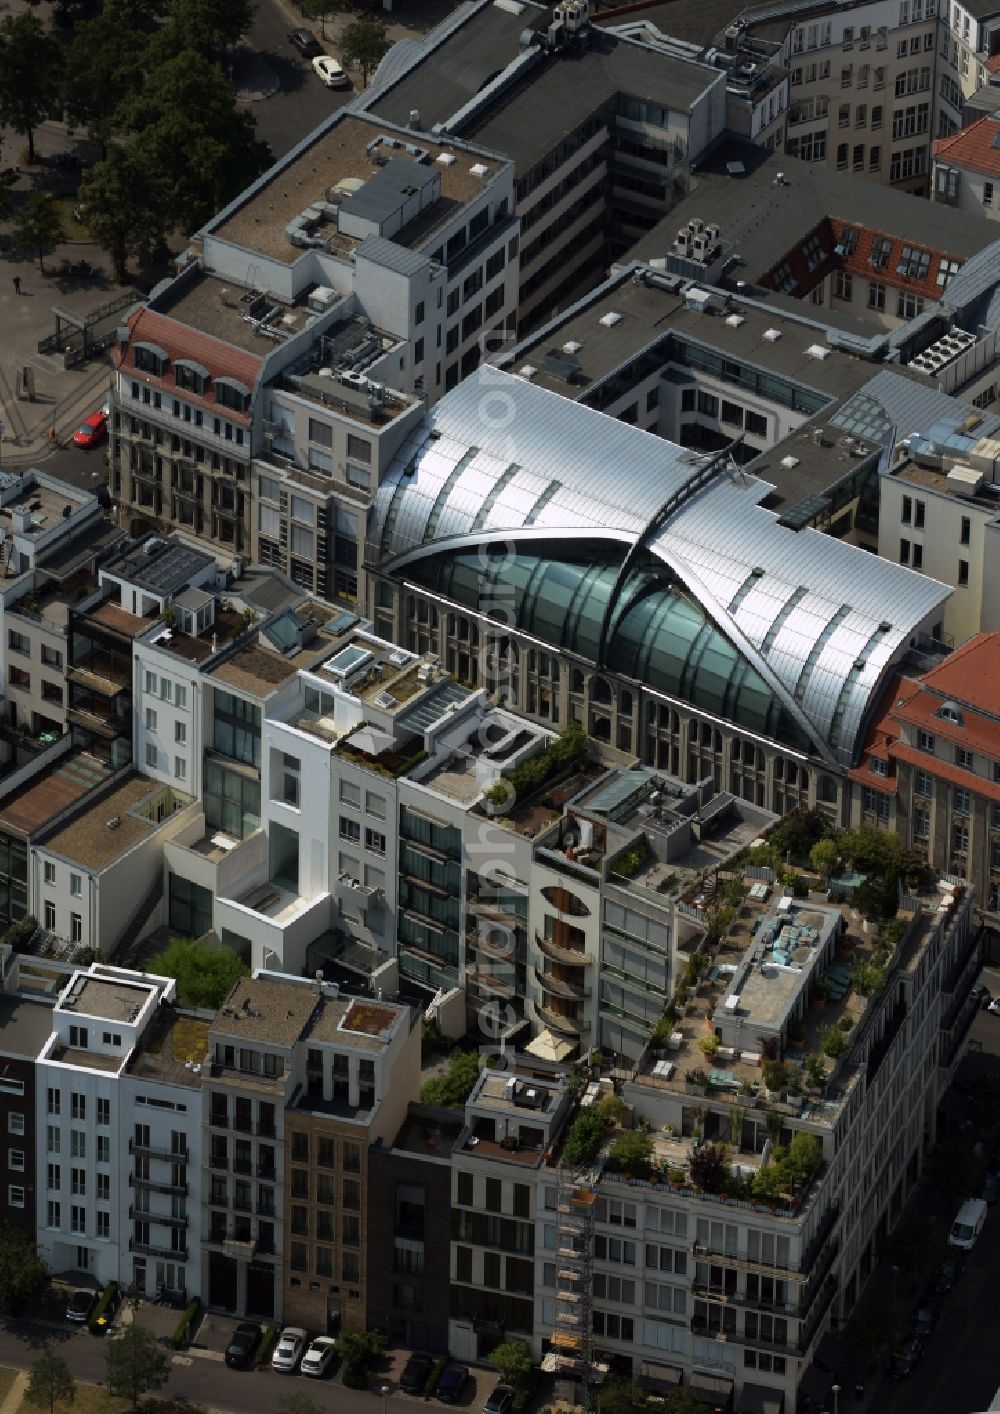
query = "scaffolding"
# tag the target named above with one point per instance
(571, 1344)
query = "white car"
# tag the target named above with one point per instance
(320, 1356)
(288, 1349)
(994, 1006)
(330, 72)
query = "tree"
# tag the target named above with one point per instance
(193, 139)
(103, 71)
(124, 206)
(23, 1274)
(136, 1363)
(31, 68)
(38, 226)
(454, 1087)
(632, 1152)
(208, 26)
(322, 10)
(51, 1382)
(823, 856)
(918, 1244)
(205, 975)
(512, 1360)
(363, 45)
(584, 1139)
(621, 1396)
(708, 1168)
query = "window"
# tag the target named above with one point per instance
(964, 758)
(103, 1224)
(918, 514)
(908, 305)
(921, 823)
(320, 433)
(180, 733)
(152, 754)
(78, 1105)
(925, 741)
(906, 515)
(960, 839)
(913, 263)
(946, 270)
(375, 841)
(843, 285)
(103, 1157)
(961, 802)
(922, 782)
(904, 552)
(75, 885)
(966, 531)
(54, 1214)
(876, 295)
(79, 1037)
(350, 829)
(49, 872)
(77, 1218)
(50, 916)
(150, 719)
(987, 193)
(54, 1098)
(15, 1196)
(756, 424)
(963, 573)
(877, 766)
(359, 449)
(15, 1160)
(19, 643)
(881, 249)
(180, 695)
(103, 1110)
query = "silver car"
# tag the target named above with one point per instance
(288, 1350)
(320, 1357)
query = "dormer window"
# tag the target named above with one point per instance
(231, 393)
(949, 712)
(191, 376)
(150, 358)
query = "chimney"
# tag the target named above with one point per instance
(414, 123)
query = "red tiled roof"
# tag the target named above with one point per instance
(829, 231)
(882, 737)
(970, 675)
(973, 147)
(180, 341)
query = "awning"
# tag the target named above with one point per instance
(371, 741)
(547, 1046)
(714, 1391)
(653, 1375)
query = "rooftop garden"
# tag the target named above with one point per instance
(568, 751)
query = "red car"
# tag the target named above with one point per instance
(89, 433)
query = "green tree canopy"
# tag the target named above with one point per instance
(103, 71)
(363, 45)
(208, 26)
(136, 1364)
(193, 140)
(583, 1139)
(51, 1382)
(205, 975)
(632, 1152)
(124, 205)
(38, 227)
(454, 1087)
(322, 10)
(23, 1274)
(31, 69)
(512, 1361)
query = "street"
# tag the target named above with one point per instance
(202, 1377)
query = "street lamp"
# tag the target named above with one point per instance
(835, 1391)
(385, 1399)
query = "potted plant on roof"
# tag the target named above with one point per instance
(820, 993)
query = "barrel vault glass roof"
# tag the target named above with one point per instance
(787, 633)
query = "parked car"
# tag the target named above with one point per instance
(925, 1317)
(330, 72)
(991, 1187)
(904, 1361)
(307, 44)
(288, 1351)
(451, 1385)
(81, 1303)
(994, 1006)
(948, 1273)
(243, 1345)
(500, 1401)
(416, 1373)
(91, 432)
(321, 1356)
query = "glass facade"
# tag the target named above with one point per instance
(13, 879)
(237, 728)
(663, 637)
(232, 803)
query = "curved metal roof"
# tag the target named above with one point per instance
(817, 621)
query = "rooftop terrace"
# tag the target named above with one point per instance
(341, 153)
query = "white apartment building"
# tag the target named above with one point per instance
(938, 514)
(119, 1126)
(693, 1287)
(96, 881)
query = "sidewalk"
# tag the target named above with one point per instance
(11, 1402)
